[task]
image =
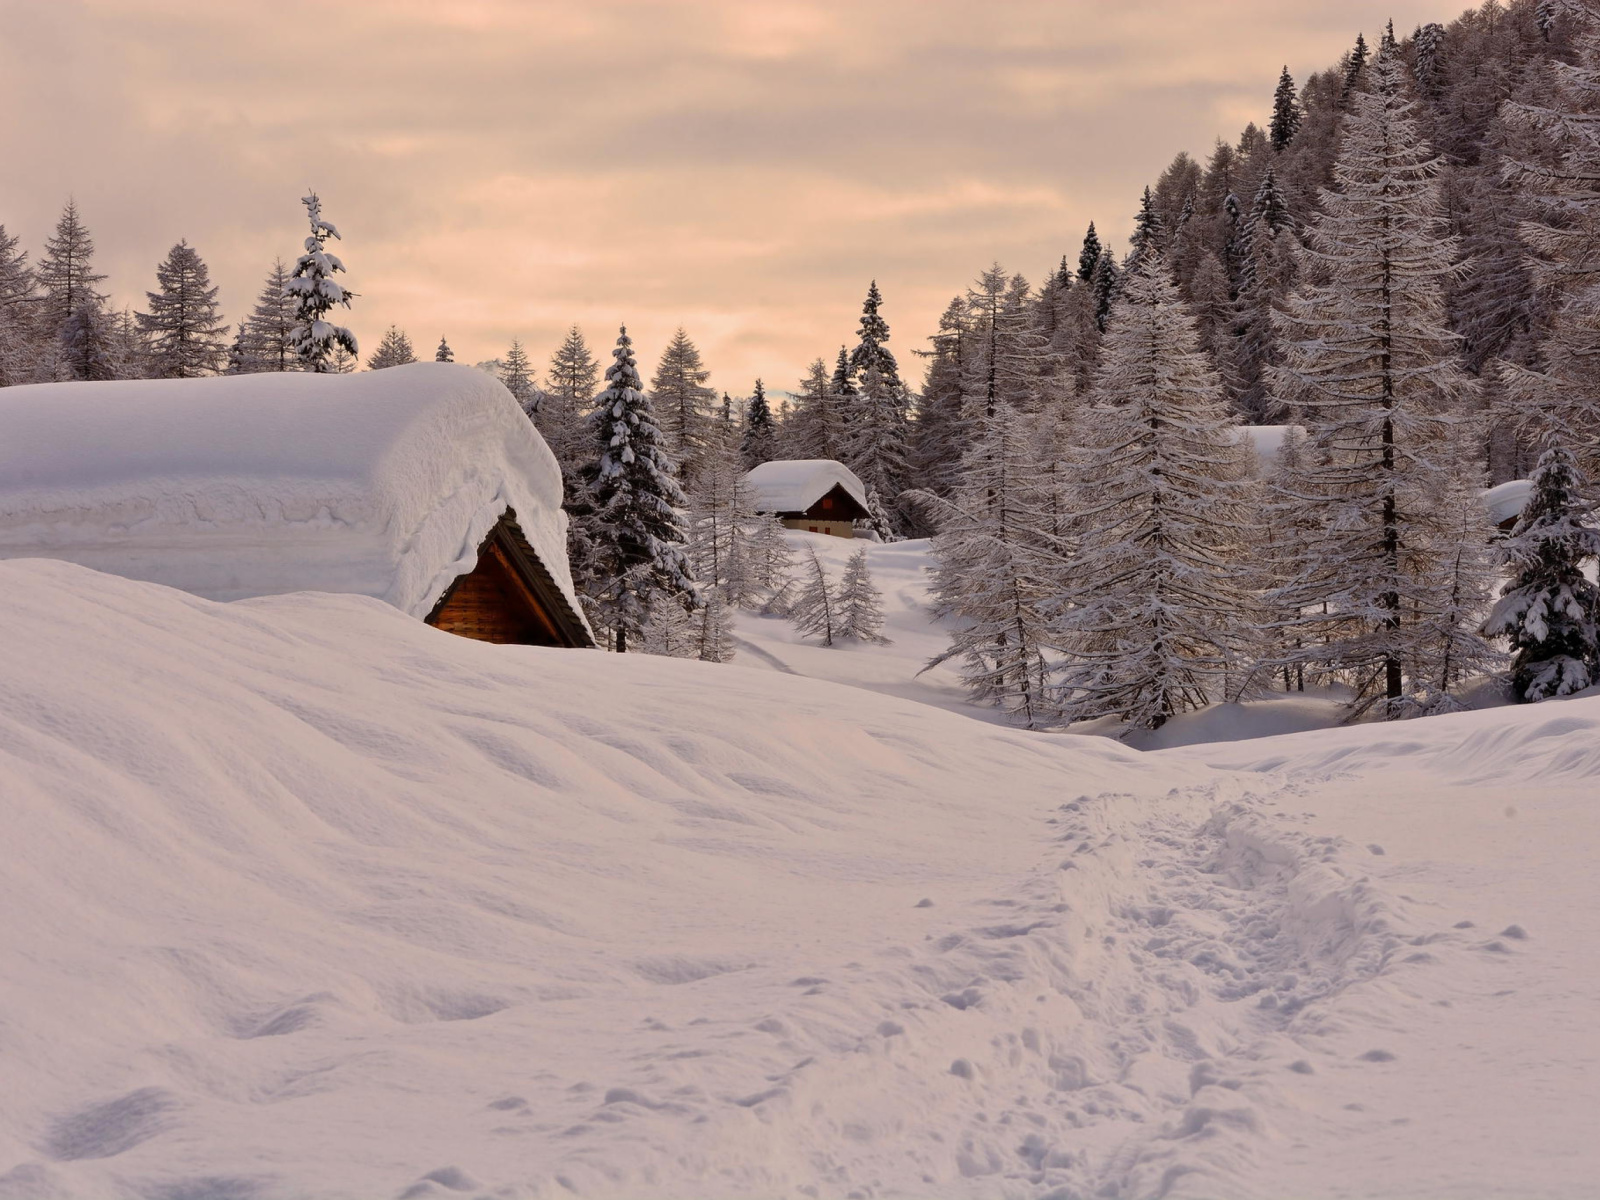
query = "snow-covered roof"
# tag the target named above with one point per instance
(1507, 500)
(794, 485)
(381, 484)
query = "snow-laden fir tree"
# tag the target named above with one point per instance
(721, 511)
(1560, 405)
(516, 373)
(317, 341)
(816, 427)
(814, 608)
(938, 432)
(760, 442)
(637, 538)
(185, 334)
(997, 570)
(875, 445)
(18, 300)
(1369, 363)
(1152, 620)
(444, 353)
(672, 631)
(872, 349)
(684, 404)
(770, 557)
(1285, 112)
(1103, 284)
(1007, 359)
(859, 603)
(394, 350)
(66, 271)
(1266, 270)
(570, 385)
(1548, 608)
(267, 334)
(1089, 255)
(1149, 234)
(86, 347)
(713, 629)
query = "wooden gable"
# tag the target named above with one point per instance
(509, 597)
(836, 505)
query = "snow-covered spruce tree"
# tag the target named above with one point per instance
(872, 350)
(444, 353)
(815, 429)
(1560, 405)
(937, 433)
(770, 557)
(1152, 620)
(86, 346)
(713, 629)
(1285, 112)
(859, 603)
(66, 272)
(268, 332)
(315, 340)
(1548, 608)
(394, 350)
(1089, 255)
(760, 434)
(18, 300)
(814, 607)
(997, 568)
(636, 534)
(875, 448)
(1104, 284)
(684, 404)
(516, 372)
(1371, 367)
(1266, 270)
(570, 385)
(185, 334)
(1149, 234)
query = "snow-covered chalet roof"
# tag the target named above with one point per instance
(382, 483)
(1507, 500)
(794, 485)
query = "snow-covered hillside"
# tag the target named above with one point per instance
(305, 899)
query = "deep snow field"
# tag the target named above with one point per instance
(302, 898)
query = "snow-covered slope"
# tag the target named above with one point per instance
(305, 899)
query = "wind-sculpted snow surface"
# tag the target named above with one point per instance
(305, 899)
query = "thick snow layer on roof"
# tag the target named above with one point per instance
(794, 485)
(382, 483)
(303, 898)
(1508, 499)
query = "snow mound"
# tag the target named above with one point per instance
(307, 899)
(1507, 500)
(382, 483)
(794, 485)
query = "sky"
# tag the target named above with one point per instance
(743, 168)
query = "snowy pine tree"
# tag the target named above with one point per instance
(1285, 112)
(66, 272)
(1548, 608)
(316, 341)
(266, 340)
(684, 404)
(18, 300)
(637, 536)
(184, 331)
(570, 385)
(516, 373)
(1152, 618)
(872, 351)
(859, 604)
(816, 427)
(760, 442)
(997, 569)
(814, 609)
(393, 351)
(1370, 364)
(444, 353)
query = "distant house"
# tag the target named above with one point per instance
(1506, 501)
(423, 486)
(814, 494)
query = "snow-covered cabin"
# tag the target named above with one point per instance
(423, 486)
(1506, 501)
(815, 494)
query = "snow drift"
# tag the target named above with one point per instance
(304, 899)
(382, 483)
